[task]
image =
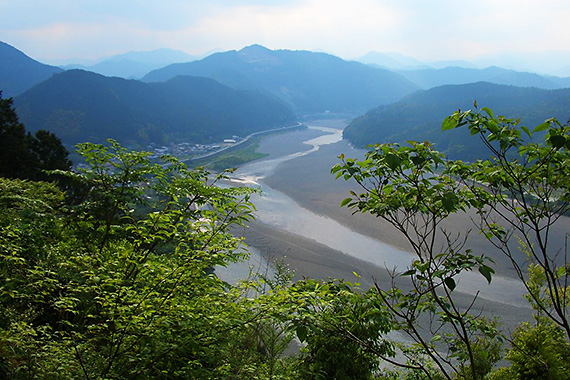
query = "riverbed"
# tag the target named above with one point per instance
(299, 218)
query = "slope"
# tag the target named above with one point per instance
(419, 116)
(18, 72)
(83, 106)
(309, 82)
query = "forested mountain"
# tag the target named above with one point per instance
(18, 72)
(419, 116)
(428, 78)
(83, 106)
(309, 82)
(135, 64)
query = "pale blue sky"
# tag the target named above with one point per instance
(425, 29)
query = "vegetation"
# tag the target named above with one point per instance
(235, 157)
(519, 193)
(27, 156)
(418, 116)
(81, 106)
(114, 275)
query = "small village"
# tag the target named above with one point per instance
(188, 150)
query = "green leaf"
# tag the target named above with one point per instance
(449, 201)
(449, 123)
(527, 131)
(393, 161)
(488, 111)
(541, 127)
(301, 333)
(487, 272)
(345, 201)
(450, 283)
(557, 141)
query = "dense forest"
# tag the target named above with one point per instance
(82, 106)
(418, 116)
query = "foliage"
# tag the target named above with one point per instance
(538, 351)
(520, 192)
(418, 116)
(83, 106)
(523, 190)
(343, 328)
(401, 185)
(23, 155)
(118, 283)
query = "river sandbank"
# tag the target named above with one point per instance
(306, 179)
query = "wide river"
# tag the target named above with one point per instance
(281, 212)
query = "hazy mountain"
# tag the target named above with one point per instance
(18, 72)
(309, 82)
(453, 63)
(392, 61)
(419, 116)
(428, 78)
(133, 65)
(547, 63)
(83, 106)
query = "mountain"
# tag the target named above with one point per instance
(18, 72)
(136, 64)
(83, 106)
(393, 61)
(428, 78)
(419, 116)
(309, 82)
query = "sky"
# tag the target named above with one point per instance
(428, 30)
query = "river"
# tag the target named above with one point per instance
(281, 212)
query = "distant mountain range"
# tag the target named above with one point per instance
(18, 72)
(428, 78)
(554, 63)
(83, 106)
(419, 116)
(136, 64)
(309, 82)
(239, 92)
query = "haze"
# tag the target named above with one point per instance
(488, 31)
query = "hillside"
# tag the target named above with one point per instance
(18, 72)
(82, 106)
(428, 78)
(419, 116)
(309, 82)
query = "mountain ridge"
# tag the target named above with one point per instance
(82, 106)
(19, 72)
(309, 82)
(419, 116)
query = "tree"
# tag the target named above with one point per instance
(401, 186)
(519, 193)
(522, 192)
(27, 156)
(120, 284)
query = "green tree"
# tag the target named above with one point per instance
(523, 191)
(27, 156)
(401, 186)
(120, 284)
(15, 157)
(520, 193)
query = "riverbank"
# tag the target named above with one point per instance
(300, 193)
